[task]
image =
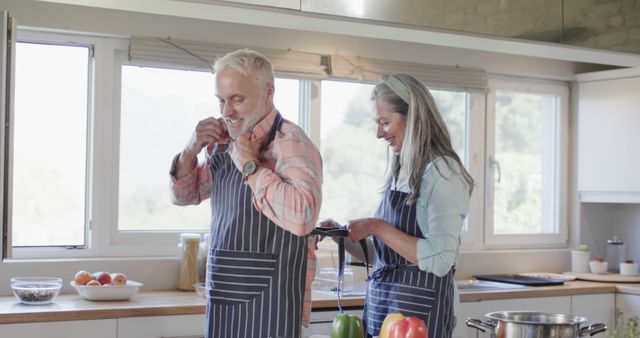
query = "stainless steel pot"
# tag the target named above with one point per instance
(529, 324)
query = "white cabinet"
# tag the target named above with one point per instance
(597, 308)
(609, 136)
(103, 328)
(479, 309)
(161, 327)
(628, 305)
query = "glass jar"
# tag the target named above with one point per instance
(615, 254)
(188, 272)
(203, 258)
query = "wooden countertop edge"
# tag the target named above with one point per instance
(332, 303)
(167, 303)
(30, 317)
(548, 291)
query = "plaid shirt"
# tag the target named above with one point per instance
(288, 187)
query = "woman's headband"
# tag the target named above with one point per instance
(398, 87)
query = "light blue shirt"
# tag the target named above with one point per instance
(441, 209)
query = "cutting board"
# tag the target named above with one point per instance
(605, 277)
(522, 280)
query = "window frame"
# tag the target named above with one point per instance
(475, 130)
(94, 44)
(561, 157)
(104, 240)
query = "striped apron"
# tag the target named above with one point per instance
(256, 270)
(399, 286)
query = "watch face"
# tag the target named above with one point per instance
(249, 168)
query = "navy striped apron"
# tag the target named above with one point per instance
(399, 286)
(256, 270)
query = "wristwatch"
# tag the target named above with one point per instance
(249, 168)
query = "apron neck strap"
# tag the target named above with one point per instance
(275, 127)
(340, 233)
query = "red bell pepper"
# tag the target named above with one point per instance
(409, 327)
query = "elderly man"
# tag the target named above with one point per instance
(264, 178)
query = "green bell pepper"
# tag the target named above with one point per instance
(347, 326)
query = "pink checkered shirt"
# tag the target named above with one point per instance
(288, 187)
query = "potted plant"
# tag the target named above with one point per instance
(624, 329)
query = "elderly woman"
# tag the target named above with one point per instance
(417, 228)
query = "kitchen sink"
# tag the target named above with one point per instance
(481, 285)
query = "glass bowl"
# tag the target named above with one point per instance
(36, 290)
(201, 289)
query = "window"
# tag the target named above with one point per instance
(159, 111)
(354, 159)
(453, 107)
(525, 196)
(96, 176)
(50, 145)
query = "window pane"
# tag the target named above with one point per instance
(157, 119)
(287, 98)
(453, 107)
(524, 148)
(49, 165)
(159, 111)
(354, 160)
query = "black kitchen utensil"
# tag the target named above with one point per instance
(340, 233)
(523, 280)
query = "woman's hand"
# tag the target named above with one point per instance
(363, 227)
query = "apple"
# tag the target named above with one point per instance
(82, 277)
(118, 278)
(102, 277)
(93, 282)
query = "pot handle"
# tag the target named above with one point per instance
(592, 329)
(479, 325)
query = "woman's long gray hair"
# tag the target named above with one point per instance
(426, 136)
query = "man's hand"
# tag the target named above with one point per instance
(244, 150)
(327, 223)
(209, 131)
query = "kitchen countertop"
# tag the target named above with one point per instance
(161, 303)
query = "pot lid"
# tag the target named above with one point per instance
(615, 241)
(533, 317)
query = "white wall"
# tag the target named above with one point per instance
(160, 273)
(601, 221)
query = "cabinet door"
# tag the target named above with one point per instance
(595, 308)
(609, 116)
(104, 328)
(322, 320)
(479, 309)
(628, 305)
(161, 326)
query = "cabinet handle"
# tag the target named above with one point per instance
(494, 163)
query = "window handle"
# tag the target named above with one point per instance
(494, 163)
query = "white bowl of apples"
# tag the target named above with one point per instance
(104, 286)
